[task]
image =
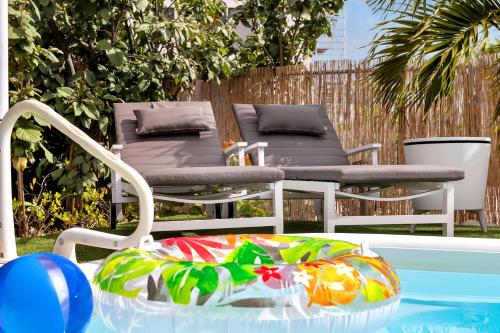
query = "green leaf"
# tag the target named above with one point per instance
(65, 92)
(59, 79)
(89, 77)
(143, 85)
(77, 110)
(104, 45)
(36, 12)
(32, 135)
(40, 121)
(111, 98)
(86, 122)
(141, 4)
(57, 174)
(78, 160)
(48, 154)
(103, 124)
(90, 112)
(105, 14)
(116, 56)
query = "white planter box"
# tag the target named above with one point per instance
(472, 154)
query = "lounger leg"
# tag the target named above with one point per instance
(482, 220)
(449, 209)
(278, 208)
(116, 214)
(413, 227)
(232, 210)
(116, 209)
(329, 208)
(365, 209)
(210, 212)
(218, 211)
(318, 209)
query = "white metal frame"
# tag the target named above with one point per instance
(66, 242)
(122, 193)
(328, 192)
(4, 58)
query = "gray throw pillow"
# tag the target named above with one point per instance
(179, 120)
(295, 119)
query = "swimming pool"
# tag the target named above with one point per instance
(432, 302)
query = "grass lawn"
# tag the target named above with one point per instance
(84, 253)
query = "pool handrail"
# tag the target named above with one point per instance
(67, 240)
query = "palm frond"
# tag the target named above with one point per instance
(433, 47)
(406, 6)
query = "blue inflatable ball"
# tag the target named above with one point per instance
(44, 293)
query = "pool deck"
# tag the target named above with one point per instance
(457, 254)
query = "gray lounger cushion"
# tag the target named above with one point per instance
(374, 174)
(184, 150)
(179, 120)
(184, 159)
(295, 119)
(289, 149)
(212, 176)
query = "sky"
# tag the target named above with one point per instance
(359, 25)
(360, 21)
(358, 32)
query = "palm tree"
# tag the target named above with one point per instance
(434, 39)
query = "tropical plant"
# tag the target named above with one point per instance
(82, 56)
(93, 213)
(43, 211)
(432, 40)
(283, 32)
(252, 208)
(25, 59)
(40, 213)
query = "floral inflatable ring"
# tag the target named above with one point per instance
(246, 284)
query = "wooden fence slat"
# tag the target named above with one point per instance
(349, 101)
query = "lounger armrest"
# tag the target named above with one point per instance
(239, 149)
(117, 149)
(260, 147)
(373, 147)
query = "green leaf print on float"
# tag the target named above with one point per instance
(124, 266)
(314, 249)
(249, 253)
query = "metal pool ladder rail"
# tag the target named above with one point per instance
(66, 242)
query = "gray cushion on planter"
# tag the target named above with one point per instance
(170, 121)
(212, 176)
(374, 174)
(288, 149)
(294, 119)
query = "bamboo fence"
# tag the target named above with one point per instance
(349, 101)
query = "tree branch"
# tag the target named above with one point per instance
(63, 44)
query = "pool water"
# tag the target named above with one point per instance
(438, 302)
(433, 302)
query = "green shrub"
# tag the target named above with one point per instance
(44, 212)
(252, 208)
(93, 213)
(283, 32)
(80, 57)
